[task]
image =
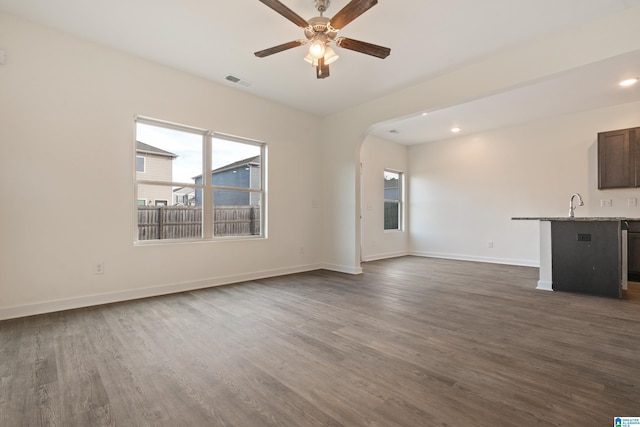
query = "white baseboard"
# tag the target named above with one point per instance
(349, 269)
(98, 299)
(91, 300)
(375, 257)
(544, 285)
(459, 257)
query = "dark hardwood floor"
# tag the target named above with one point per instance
(411, 342)
(633, 292)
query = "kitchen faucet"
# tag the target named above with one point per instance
(571, 207)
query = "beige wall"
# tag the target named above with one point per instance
(344, 131)
(376, 155)
(67, 109)
(465, 191)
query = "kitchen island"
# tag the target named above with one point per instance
(583, 254)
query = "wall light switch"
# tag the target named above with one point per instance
(3, 56)
(607, 203)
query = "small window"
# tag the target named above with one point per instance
(139, 164)
(393, 200)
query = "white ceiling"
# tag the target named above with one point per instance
(592, 86)
(215, 38)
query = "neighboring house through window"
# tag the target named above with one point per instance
(176, 200)
(154, 164)
(243, 174)
(393, 195)
(184, 196)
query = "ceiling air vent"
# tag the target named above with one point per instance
(238, 80)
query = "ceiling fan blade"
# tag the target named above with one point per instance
(286, 12)
(350, 12)
(363, 47)
(279, 48)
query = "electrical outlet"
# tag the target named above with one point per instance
(98, 268)
(490, 244)
(632, 202)
(606, 203)
(301, 250)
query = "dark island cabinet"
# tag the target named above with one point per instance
(587, 257)
(633, 250)
(619, 158)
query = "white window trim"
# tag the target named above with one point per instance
(207, 186)
(400, 201)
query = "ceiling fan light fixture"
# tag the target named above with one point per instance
(330, 56)
(317, 49)
(311, 60)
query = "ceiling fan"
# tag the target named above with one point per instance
(321, 31)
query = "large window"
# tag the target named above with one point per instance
(197, 183)
(393, 200)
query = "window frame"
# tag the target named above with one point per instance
(144, 164)
(399, 201)
(206, 187)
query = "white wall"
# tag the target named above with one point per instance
(465, 191)
(67, 127)
(376, 155)
(344, 131)
(67, 109)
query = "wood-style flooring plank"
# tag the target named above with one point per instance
(411, 342)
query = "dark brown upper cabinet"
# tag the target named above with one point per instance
(619, 158)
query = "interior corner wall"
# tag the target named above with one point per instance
(67, 108)
(465, 191)
(376, 155)
(340, 181)
(343, 131)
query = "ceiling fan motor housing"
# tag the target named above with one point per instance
(319, 25)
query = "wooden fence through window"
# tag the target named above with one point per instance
(184, 222)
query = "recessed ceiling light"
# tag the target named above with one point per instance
(629, 82)
(455, 129)
(424, 114)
